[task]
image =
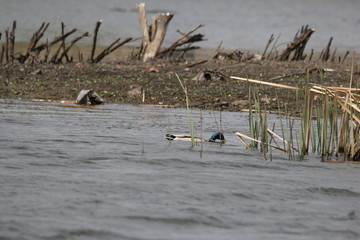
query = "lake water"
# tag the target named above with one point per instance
(240, 24)
(109, 173)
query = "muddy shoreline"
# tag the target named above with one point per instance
(155, 82)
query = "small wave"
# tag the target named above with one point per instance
(334, 191)
(341, 233)
(20, 147)
(13, 167)
(201, 220)
(258, 166)
(101, 158)
(348, 217)
(47, 164)
(245, 196)
(88, 234)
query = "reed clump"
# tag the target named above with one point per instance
(329, 127)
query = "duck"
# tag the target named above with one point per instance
(217, 137)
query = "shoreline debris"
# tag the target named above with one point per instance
(89, 97)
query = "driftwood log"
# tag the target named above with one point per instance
(152, 35)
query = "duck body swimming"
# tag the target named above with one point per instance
(216, 137)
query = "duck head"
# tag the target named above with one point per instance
(217, 136)
(170, 137)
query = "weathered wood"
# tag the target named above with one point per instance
(1, 50)
(2, 53)
(311, 54)
(231, 55)
(96, 30)
(115, 45)
(88, 97)
(267, 46)
(33, 42)
(7, 45)
(332, 59)
(112, 47)
(63, 42)
(345, 56)
(196, 63)
(35, 50)
(32, 53)
(187, 38)
(55, 41)
(62, 45)
(105, 51)
(47, 52)
(67, 49)
(297, 46)
(80, 56)
(36, 37)
(325, 54)
(273, 48)
(152, 35)
(12, 43)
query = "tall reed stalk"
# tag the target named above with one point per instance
(190, 121)
(333, 126)
(264, 131)
(307, 114)
(253, 122)
(282, 122)
(343, 135)
(324, 139)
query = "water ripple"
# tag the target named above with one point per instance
(335, 192)
(188, 221)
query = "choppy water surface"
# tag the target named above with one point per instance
(108, 173)
(240, 24)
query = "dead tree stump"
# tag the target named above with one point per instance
(152, 35)
(297, 46)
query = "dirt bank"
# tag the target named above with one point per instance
(130, 82)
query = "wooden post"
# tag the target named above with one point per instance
(152, 35)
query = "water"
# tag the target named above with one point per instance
(108, 173)
(239, 24)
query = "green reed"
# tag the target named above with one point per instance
(253, 122)
(280, 114)
(324, 133)
(333, 116)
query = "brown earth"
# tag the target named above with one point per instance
(156, 82)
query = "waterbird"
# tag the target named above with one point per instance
(216, 137)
